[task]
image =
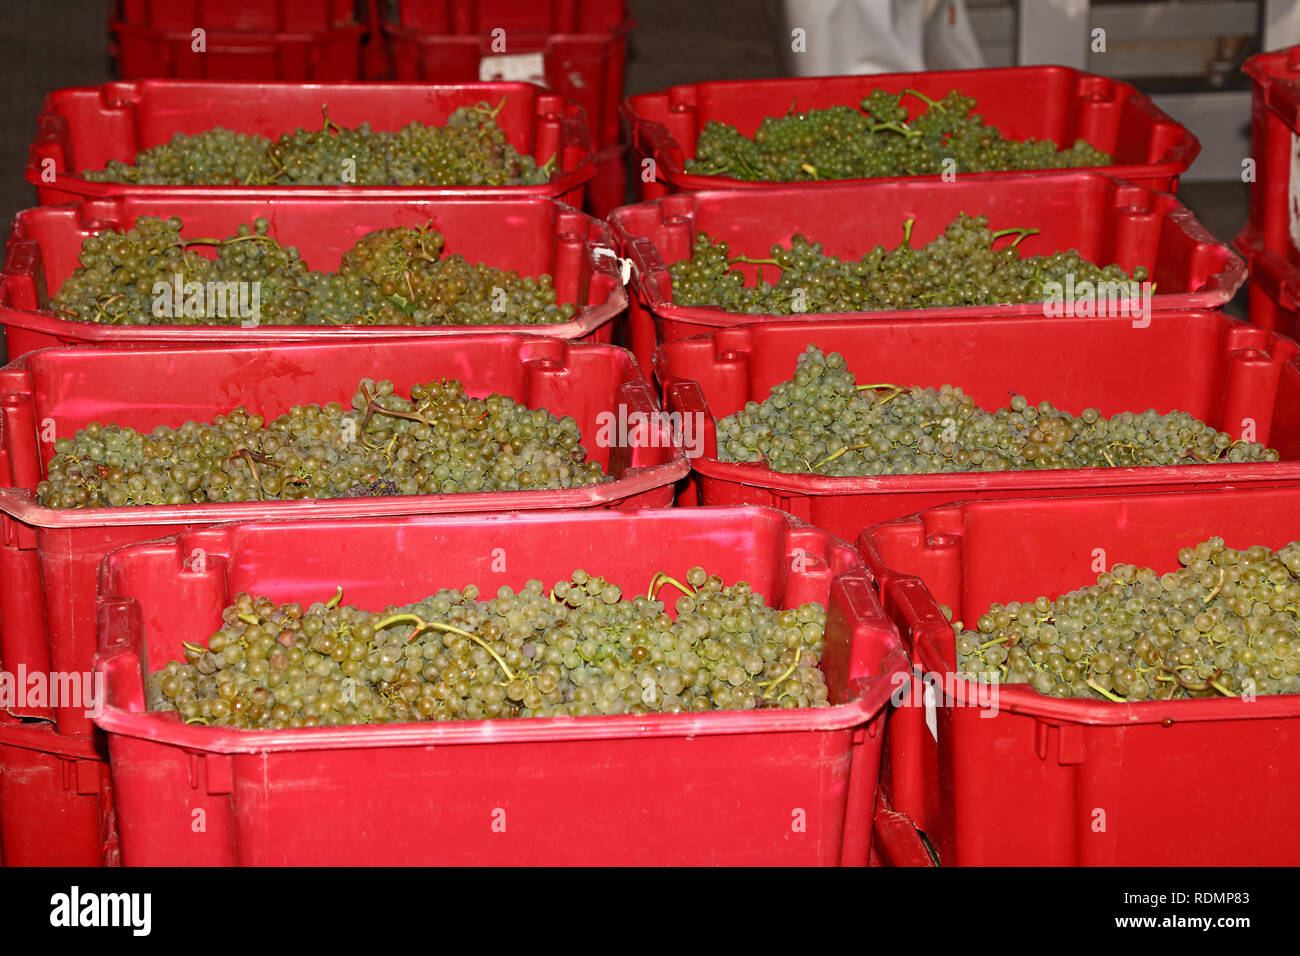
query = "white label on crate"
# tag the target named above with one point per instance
(931, 711)
(515, 67)
(1293, 191)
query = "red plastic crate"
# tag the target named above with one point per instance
(1042, 102)
(772, 787)
(1185, 782)
(56, 801)
(530, 236)
(608, 190)
(582, 46)
(1274, 288)
(1225, 372)
(1105, 220)
(896, 840)
(81, 128)
(1274, 225)
(246, 15)
(55, 392)
(319, 56)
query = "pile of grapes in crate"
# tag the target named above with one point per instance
(469, 150)
(878, 139)
(152, 275)
(822, 421)
(581, 648)
(959, 267)
(397, 670)
(438, 440)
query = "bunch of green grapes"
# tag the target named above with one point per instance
(1225, 624)
(469, 150)
(437, 441)
(961, 266)
(823, 422)
(877, 140)
(583, 648)
(398, 276)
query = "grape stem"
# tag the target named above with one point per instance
(338, 596)
(422, 625)
(662, 578)
(923, 98)
(810, 169)
(1019, 234)
(829, 458)
(907, 231)
(773, 684)
(1103, 691)
(1223, 576)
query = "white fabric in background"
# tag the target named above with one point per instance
(878, 36)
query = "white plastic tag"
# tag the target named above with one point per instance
(1293, 192)
(624, 265)
(931, 710)
(514, 67)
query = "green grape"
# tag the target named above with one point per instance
(393, 277)
(822, 421)
(384, 444)
(959, 267)
(455, 656)
(877, 140)
(469, 150)
(1129, 638)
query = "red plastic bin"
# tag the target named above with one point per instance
(1225, 372)
(320, 56)
(246, 15)
(793, 787)
(1045, 781)
(580, 47)
(1274, 224)
(608, 190)
(1042, 102)
(1104, 219)
(84, 127)
(55, 552)
(530, 236)
(56, 801)
(1274, 290)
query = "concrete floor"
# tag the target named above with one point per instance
(58, 43)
